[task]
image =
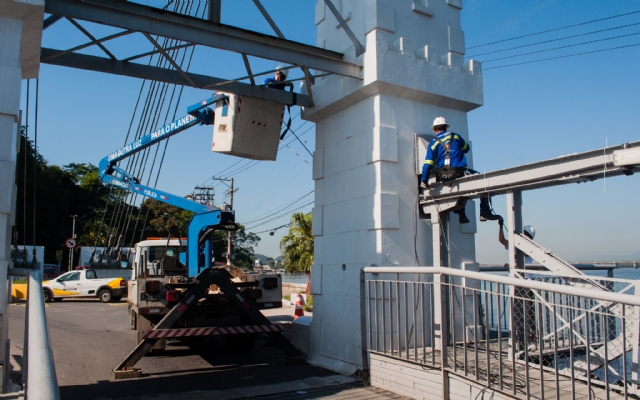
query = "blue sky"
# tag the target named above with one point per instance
(531, 112)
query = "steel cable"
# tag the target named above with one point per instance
(561, 47)
(135, 163)
(553, 40)
(554, 30)
(564, 56)
(166, 142)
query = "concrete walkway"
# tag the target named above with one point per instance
(333, 387)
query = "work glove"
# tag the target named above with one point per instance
(501, 222)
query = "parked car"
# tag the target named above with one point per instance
(84, 283)
(50, 271)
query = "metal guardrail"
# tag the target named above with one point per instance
(38, 369)
(551, 340)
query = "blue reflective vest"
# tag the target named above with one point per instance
(436, 154)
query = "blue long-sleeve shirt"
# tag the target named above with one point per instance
(273, 84)
(436, 154)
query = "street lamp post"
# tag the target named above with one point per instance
(73, 235)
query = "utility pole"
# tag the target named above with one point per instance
(73, 235)
(204, 195)
(230, 207)
(231, 191)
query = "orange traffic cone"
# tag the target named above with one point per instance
(299, 312)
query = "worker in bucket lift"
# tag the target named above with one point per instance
(278, 81)
(528, 231)
(447, 154)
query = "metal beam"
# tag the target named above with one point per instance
(52, 19)
(93, 39)
(151, 53)
(154, 21)
(573, 168)
(104, 39)
(359, 47)
(171, 60)
(248, 67)
(308, 80)
(215, 9)
(266, 16)
(99, 64)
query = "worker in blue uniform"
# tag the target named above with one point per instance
(278, 81)
(446, 153)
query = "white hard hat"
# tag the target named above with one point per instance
(530, 230)
(283, 68)
(439, 121)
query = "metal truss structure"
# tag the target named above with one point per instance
(188, 31)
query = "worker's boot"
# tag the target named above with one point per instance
(462, 216)
(486, 212)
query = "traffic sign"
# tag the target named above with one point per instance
(70, 243)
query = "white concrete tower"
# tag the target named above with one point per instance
(20, 36)
(364, 165)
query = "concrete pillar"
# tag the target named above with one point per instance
(365, 167)
(20, 37)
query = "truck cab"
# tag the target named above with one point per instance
(159, 257)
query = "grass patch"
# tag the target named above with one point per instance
(20, 279)
(287, 297)
(309, 305)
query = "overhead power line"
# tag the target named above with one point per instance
(554, 30)
(279, 209)
(561, 47)
(283, 214)
(565, 56)
(553, 40)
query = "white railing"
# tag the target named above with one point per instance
(528, 338)
(38, 369)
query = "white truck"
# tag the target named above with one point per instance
(158, 281)
(84, 283)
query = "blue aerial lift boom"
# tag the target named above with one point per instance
(173, 307)
(206, 217)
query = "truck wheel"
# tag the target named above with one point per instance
(47, 296)
(105, 295)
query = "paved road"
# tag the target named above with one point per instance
(90, 338)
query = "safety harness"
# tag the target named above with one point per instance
(288, 125)
(447, 172)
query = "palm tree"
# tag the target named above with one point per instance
(297, 245)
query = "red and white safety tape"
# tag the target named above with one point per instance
(219, 330)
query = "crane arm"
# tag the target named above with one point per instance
(197, 114)
(126, 181)
(205, 215)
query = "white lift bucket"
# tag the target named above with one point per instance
(248, 127)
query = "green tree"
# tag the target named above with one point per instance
(161, 217)
(242, 244)
(297, 245)
(48, 194)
